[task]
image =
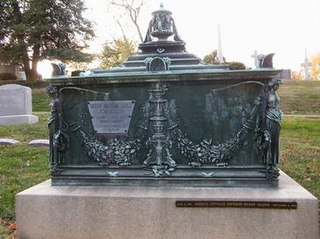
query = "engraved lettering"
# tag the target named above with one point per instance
(237, 204)
(111, 117)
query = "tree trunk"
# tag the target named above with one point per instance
(35, 60)
(20, 37)
(26, 66)
(34, 72)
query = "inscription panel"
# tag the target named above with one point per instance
(237, 204)
(111, 117)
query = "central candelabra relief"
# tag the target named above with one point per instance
(159, 123)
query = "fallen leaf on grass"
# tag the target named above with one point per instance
(12, 226)
(307, 179)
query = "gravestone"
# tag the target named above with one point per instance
(16, 105)
(5, 141)
(39, 143)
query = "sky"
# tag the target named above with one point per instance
(288, 28)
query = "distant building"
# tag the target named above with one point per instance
(285, 74)
(13, 69)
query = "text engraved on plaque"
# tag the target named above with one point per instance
(111, 117)
(238, 204)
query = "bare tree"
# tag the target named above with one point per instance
(131, 8)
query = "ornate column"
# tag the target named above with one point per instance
(159, 158)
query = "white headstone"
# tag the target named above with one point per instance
(8, 142)
(16, 105)
(39, 142)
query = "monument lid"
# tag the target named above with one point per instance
(162, 50)
(163, 55)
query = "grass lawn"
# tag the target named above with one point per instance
(23, 166)
(300, 151)
(300, 97)
(40, 100)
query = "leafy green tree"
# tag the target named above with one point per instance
(315, 68)
(235, 65)
(33, 30)
(211, 58)
(116, 52)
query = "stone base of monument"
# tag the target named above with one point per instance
(51, 212)
(18, 120)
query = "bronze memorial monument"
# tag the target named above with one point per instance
(165, 117)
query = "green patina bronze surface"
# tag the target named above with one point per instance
(165, 118)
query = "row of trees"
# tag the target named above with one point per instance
(34, 30)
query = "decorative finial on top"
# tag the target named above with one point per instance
(162, 26)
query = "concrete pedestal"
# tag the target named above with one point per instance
(63, 212)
